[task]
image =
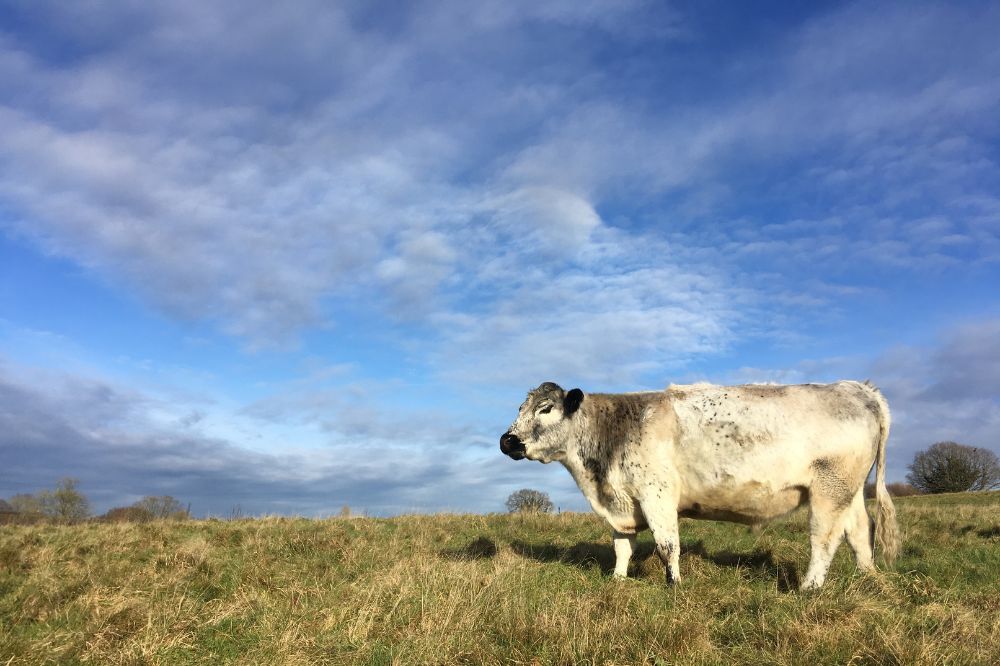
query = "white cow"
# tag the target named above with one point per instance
(744, 454)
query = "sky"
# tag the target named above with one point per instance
(279, 258)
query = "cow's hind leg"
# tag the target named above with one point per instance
(826, 530)
(624, 545)
(859, 532)
(831, 515)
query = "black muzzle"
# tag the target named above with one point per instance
(511, 445)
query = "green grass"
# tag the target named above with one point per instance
(493, 589)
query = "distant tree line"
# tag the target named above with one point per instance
(945, 467)
(897, 489)
(67, 505)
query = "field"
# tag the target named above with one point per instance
(527, 589)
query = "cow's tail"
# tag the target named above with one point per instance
(886, 528)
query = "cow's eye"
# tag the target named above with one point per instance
(545, 410)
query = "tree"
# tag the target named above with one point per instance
(26, 504)
(529, 501)
(65, 503)
(949, 467)
(127, 514)
(162, 506)
(8, 514)
(900, 489)
(896, 489)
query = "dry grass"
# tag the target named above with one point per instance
(492, 589)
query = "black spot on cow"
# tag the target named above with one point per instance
(745, 437)
(598, 470)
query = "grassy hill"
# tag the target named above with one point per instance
(494, 589)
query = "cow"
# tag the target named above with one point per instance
(745, 454)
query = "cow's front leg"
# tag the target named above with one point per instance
(624, 545)
(663, 523)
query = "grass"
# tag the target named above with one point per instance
(452, 589)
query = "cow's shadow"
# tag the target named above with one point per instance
(588, 554)
(479, 549)
(759, 563)
(989, 533)
(583, 554)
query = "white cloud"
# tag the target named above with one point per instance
(544, 220)
(354, 182)
(617, 309)
(268, 170)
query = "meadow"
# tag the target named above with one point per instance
(511, 588)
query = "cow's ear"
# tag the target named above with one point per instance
(572, 401)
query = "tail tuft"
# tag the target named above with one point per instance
(886, 527)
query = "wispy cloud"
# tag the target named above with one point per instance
(257, 175)
(619, 309)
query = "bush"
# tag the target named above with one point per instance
(162, 506)
(896, 489)
(949, 467)
(27, 509)
(900, 489)
(530, 501)
(127, 514)
(65, 504)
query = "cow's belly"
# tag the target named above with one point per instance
(750, 502)
(727, 480)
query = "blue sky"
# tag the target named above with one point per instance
(301, 256)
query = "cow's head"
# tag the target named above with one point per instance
(541, 431)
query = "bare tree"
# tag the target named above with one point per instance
(896, 489)
(65, 503)
(949, 467)
(26, 504)
(127, 514)
(162, 506)
(900, 489)
(529, 501)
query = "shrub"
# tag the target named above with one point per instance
(162, 506)
(65, 504)
(127, 514)
(949, 467)
(900, 489)
(530, 501)
(27, 509)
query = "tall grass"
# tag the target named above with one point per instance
(449, 589)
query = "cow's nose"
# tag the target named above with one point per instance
(512, 446)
